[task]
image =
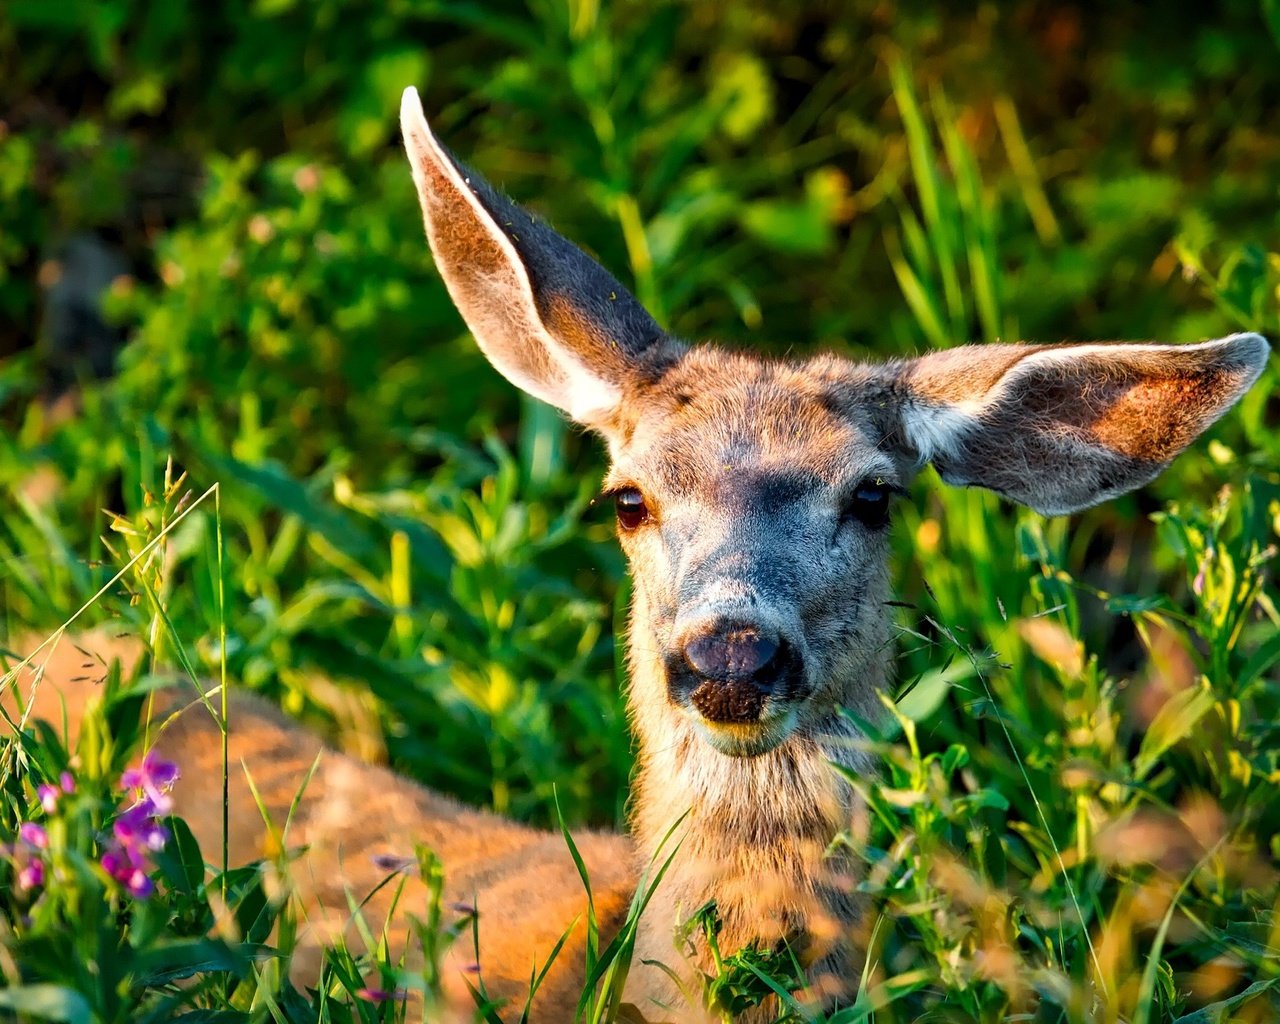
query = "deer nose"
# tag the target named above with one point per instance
(733, 654)
(728, 671)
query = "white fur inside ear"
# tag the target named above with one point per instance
(936, 430)
(587, 398)
(508, 318)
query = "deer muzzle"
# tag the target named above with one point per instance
(728, 670)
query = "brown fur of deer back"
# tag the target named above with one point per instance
(522, 880)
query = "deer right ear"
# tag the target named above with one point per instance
(549, 318)
(1063, 427)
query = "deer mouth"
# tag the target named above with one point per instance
(738, 717)
(743, 739)
(728, 702)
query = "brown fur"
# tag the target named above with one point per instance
(522, 881)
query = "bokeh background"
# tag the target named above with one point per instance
(211, 252)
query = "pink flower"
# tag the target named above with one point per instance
(154, 777)
(34, 835)
(31, 876)
(68, 783)
(48, 797)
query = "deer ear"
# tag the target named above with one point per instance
(1064, 427)
(549, 318)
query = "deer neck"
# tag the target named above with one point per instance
(756, 831)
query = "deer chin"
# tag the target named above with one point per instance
(748, 739)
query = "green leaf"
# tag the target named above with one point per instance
(274, 484)
(48, 1002)
(1259, 662)
(927, 695)
(1172, 724)
(174, 961)
(181, 861)
(365, 122)
(1271, 12)
(1134, 604)
(743, 91)
(957, 756)
(1218, 1013)
(989, 798)
(789, 225)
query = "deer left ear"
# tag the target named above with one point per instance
(548, 317)
(1063, 427)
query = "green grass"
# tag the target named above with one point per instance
(1081, 790)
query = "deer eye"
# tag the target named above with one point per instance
(632, 510)
(869, 503)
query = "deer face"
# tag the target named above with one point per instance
(752, 495)
(753, 502)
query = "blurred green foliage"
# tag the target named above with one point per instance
(874, 178)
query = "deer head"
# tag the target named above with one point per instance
(752, 494)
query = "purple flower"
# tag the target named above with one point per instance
(379, 995)
(136, 828)
(31, 876)
(139, 884)
(393, 863)
(136, 833)
(34, 835)
(68, 783)
(155, 777)
(129, 868)
(117, 863)
(48, 797)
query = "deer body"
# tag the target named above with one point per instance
(752, 499)
(522, 880)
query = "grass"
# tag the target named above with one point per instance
(1079, 805)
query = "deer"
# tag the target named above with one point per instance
(753, 498)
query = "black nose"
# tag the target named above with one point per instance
(727, 671)
(735, 653)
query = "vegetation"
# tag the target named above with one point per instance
(1079, 813)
